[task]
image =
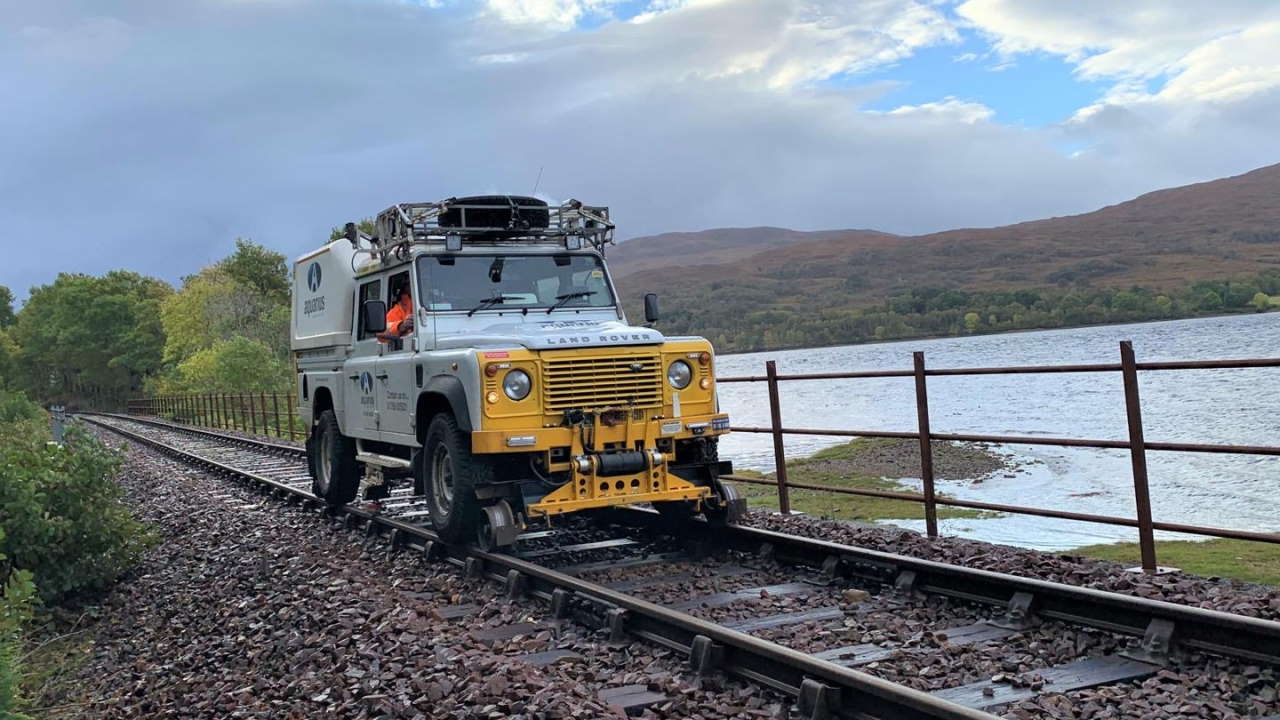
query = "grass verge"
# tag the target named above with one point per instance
(1238, 559)
(862, 464)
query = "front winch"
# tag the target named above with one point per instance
(622, 462)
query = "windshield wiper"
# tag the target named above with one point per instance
(562, 299)
(487, 303)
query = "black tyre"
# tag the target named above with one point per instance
(452, 474)
(337, 476)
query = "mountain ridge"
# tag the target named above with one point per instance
(1162, 242)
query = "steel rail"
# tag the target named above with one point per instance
(822, 686)
(1217, 632)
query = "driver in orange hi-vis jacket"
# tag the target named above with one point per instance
(399, 317)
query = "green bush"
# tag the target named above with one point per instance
(63, 526)
(16, 599)
(15, 407)
(61, 512)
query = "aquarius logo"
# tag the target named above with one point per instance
(313, 277)
(366, 382)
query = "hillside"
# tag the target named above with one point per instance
(716, 246)
(1163, 242)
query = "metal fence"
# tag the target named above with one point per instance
(274, 414)
(1137, 445)
(260, 413)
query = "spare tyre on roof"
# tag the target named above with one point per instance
(510, 214)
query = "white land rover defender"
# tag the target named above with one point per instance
(515, 390)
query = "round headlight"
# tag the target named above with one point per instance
(679, 374)
(517, 384)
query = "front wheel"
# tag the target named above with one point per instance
(332, 455)
(451, 476)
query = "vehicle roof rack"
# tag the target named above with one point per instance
(489, 219)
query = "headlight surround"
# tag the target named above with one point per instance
(517, 384)
(679, 374)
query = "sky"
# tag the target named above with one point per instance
(149, 134)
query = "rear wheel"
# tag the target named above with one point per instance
(333, 457)
(452, 474)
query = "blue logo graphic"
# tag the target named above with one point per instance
(313, 277)
(366, 382)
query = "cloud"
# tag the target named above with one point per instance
(948, 110)
(776, 44)
(165, 131)
(557, 14)
(1215, 51)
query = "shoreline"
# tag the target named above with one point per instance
(975, 335)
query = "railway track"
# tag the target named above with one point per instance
(780, 610)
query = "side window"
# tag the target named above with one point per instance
(394, 285)
(368, 291)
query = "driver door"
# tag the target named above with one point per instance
(361, 405)
(396, 375)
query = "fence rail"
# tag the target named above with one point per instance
(260, 413)
(1137, 445)
(275, 414)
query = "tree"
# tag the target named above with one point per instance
(1209, 301)
(235, 309)
(90, 340)
(254, 266)
(8, 360)
(1261, 301)
(971, 321)
(6, 307)
(235, 365)
(364, 225)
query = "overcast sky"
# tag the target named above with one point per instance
(149, 134)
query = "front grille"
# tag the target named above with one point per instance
(597, 382)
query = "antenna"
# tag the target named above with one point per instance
(537, 182)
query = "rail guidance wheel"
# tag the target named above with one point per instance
(452, 474)
(337, 475)
(726, 506)
(497, 527)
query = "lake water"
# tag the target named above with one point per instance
(1207, 406)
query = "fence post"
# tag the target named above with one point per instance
(226, 412)
(926, 448)
(275, 411)
(1138, 456)
(779, 451)
(262, 405)
(292, 431)
(253, 414)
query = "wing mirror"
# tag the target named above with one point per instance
(650, 307)
(375, 316)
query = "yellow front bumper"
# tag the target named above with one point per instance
(586, 490)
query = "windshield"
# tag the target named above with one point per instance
(476, 283)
